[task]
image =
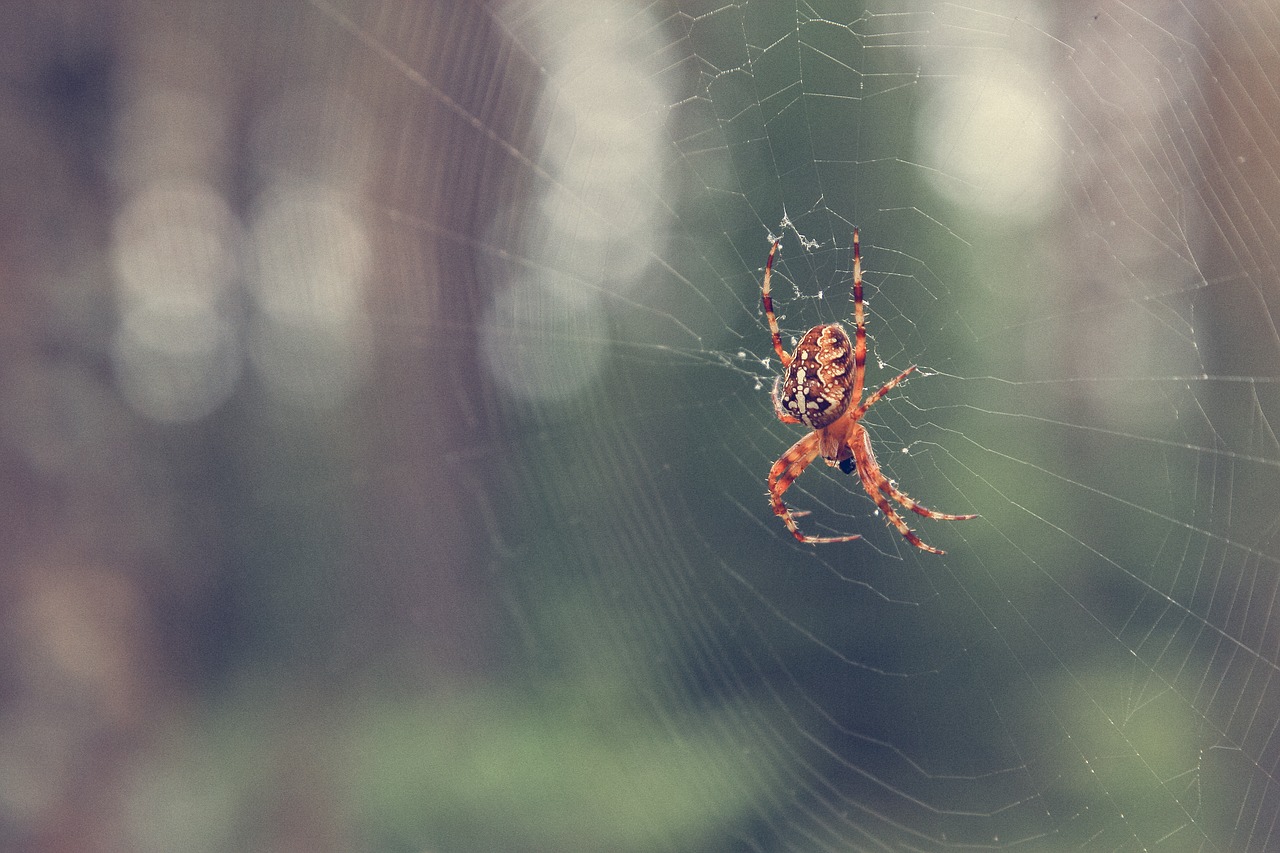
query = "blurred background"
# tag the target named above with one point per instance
(384, 424)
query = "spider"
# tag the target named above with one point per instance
(818, 390)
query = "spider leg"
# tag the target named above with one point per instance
(783, 473)
(920, 509)
(883, 483)
(884, 389)
(860, 325)
(874, 481)
(767, 299)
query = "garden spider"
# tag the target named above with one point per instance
(816, 389)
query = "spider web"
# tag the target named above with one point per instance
(1067, 216)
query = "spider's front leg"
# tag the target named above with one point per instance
(877, 485)
(783, 473)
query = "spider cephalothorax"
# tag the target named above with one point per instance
(821, 387)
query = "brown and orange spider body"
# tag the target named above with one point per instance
(821, 387)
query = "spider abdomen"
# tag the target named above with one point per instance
(817, 385)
